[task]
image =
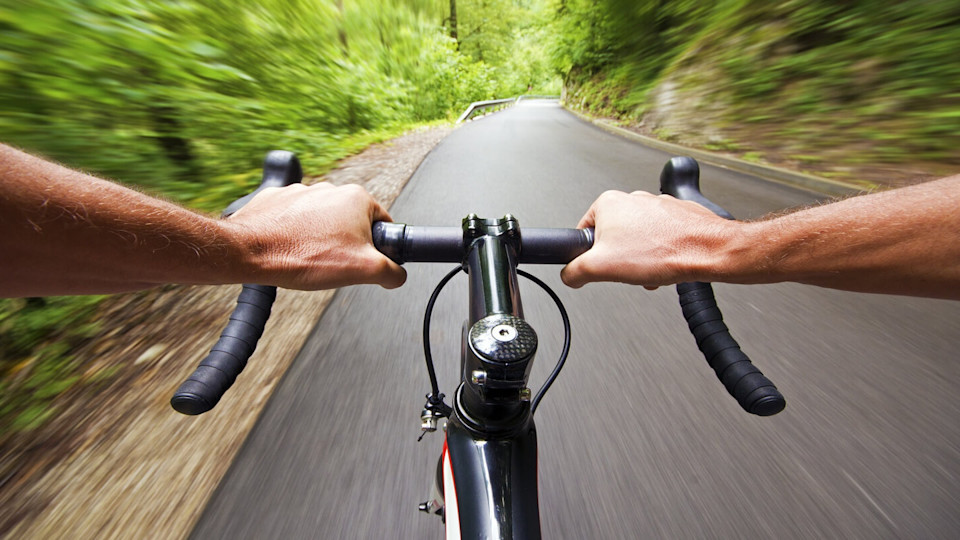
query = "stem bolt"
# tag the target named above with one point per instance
(503, 333)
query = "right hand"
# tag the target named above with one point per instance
(649, 240)
(314, 237)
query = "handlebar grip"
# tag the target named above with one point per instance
(407, 243)
(554, 246)
(217, 372)
(754, 392)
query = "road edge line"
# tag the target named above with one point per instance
(770, 173)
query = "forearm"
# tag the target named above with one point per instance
(904, 241)
(64, 231)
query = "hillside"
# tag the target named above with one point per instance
(862, 92)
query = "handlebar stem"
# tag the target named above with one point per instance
(499, 346)
(491, 263)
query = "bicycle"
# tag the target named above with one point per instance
(486, 481)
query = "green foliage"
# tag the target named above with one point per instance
(177, 96)
(510, 37)
(185, 98)
(37, 336)
(819, 74)
(641, 38)
(486, 28)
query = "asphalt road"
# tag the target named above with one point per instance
(637, 438)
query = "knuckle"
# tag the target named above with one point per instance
(664, 200)
(354, 189)
(609, 198)
(357, 194)
(610, 195)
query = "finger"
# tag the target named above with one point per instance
(651, 287)
(573, 274)
(570, 278)
(395, 277)
(379, 214)
(589, 219)
(388, 274)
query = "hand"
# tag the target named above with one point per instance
(649, 240)
(315, 237)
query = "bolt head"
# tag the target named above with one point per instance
(503, 333)
(428, 422)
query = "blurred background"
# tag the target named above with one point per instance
(184, 98)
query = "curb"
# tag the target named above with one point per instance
(766, 172)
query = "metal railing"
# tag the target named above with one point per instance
(496, 105)
(481, 105)
(536, 96)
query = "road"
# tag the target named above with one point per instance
(637, 438)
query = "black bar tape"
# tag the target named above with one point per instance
(754, 392)
(217, 372)
(680, 177)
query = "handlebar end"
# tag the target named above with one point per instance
(768, 405)
(190, 404)
(388, 238)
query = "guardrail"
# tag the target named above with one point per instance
(497, 104)
(536, 96)
(479, 105)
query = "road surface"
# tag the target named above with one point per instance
(637, 438)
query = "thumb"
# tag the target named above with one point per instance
(392, 275)
(574, 274)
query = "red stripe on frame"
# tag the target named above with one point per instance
(450, 507)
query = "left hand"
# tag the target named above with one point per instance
(314, 237)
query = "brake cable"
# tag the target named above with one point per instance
(566, 340)
(435, 402)
(434, 387)
(435, 407)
